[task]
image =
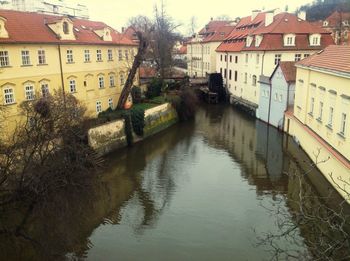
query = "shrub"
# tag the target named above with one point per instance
(154, 88)
(128, 127)
(185, 103)
(138, 120)
(136, 94)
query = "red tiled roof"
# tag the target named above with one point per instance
(283, 23)
(336, 17)
(183, 49)
(27, 27)
(212, 26)
(334, 58)
(220, 34)
(147, 72)
(289, 71)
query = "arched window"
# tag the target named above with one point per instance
(65, 28)
(254, 80)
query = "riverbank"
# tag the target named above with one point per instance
(111, 136)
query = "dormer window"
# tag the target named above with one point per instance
(315, 40)
(346, 23)
(325, 23)
(249, 41)
(3, 31)
(258, 40)
(289, 40)
(65, 28)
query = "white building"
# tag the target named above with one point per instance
(257, 44)
(201, 56)
(61, 7)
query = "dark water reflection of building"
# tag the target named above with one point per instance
(146, 177)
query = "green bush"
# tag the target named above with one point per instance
(185, 103)
(154, 88)
(136, 94)
(138, 120)
(128, 127)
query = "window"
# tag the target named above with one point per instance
(236, 76)
(276, 96)
(289, 40)
(99, 55)
(245, 77)
(126, 55)
(9, 96)
(4, 59)
(320, 112)
(41, 57)
(257, 58)
(87, 56)
(221, 71)
(281, 97)
(221, 57)
(25, 57)
(111, 81)
(315, 39)
(230, 58)
(45, 90)
(330, 116)
(29, 92)
(306, 55)
(110, 103)
(65, 28)
(277, 58)
(343, 124)
(312, 105)
(120, 55)
(132, 53)
(110, 55)
(230, 74)
(246, 58)
(72, 86)
(70, 56)
(101, 82)
(98, 107)
(254, 80)
(236, 59)
(121, 79)
(225, 57)
(297, 57)
(225, 73)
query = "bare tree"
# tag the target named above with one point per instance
(323, 222)
(192, 25)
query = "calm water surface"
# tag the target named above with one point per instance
(194, 192)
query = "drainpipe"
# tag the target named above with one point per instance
(227, 72)
(268, 115)
(262, 65)
(61, 72)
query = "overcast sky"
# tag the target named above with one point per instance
(117, 12)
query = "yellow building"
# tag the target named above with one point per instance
(320, 121)
(41, 53)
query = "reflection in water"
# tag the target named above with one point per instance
(192, 192)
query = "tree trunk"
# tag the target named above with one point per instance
(136, 64)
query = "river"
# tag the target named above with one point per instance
(203, 190)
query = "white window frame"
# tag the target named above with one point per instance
(9, 95)
(278, 58)
(72, 86)
(297, 57)
(330, 116)
(98, 106)
(120, 55)
(343, 124)
(99, 55)
(101, 81)
(4, 59)
(126, 52)
(45, 91)
(110, 103)
(312, 105)
(110, 54)
(70, 58)
(320, 111)
(122, 80)
(111, 80)
(41, 57)
(87, 57)
(25, 57)
(29, 93)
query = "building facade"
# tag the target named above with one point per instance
(257, 45)
(41, 54)
(338, 23)
(277, 94)
(201, 56)
(320, 121)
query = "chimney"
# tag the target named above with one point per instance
(268, 18)
(123, 29)
(255, 13)
(302, 15)
(211, 18)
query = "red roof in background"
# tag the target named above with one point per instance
(283, 23)
(334, 57)
(289, 71)
(212, 26)
(147, 72)
(183, 49)
(27, 27)
(242, 29)
(336, 17)
(220, 34)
